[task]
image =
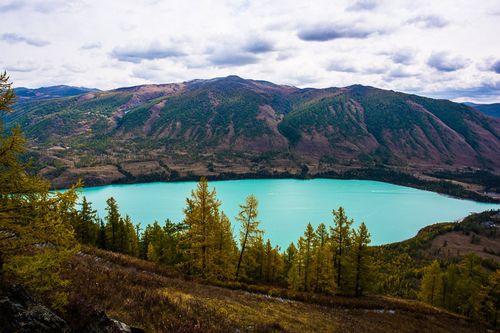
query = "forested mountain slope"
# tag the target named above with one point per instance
(237, 126)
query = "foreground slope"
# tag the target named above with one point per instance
(158, 300)
(233, 125)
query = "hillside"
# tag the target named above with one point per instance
(492, 110)
(159, 300)
(230, 127)
(25, 94)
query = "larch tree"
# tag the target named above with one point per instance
(36, 237)
(201, 217)
(430, 286)
(341, 242)
(86, 224)
(307, 250)
(361, 259)
(323, 271)
(112, 224)
(288, 258)
(225, 250)
(249, 229)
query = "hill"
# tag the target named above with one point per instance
(232, 127)
(24, 94)
(492, 110)
(159, 300)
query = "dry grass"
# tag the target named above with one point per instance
(159, 299)
(456, 244)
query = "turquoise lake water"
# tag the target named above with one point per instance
(392, 213)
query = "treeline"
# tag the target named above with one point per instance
(329, 259)
(463, 287)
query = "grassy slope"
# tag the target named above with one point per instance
(159, 300)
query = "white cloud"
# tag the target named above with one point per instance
(392, 44)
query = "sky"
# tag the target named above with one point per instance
(445, 49)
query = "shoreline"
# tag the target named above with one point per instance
(443, 187)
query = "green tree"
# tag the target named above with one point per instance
(249, 226)
(225, 250)
(430, 287)
(201, 217)
(36, 236)
(307, 250)
(490, 299)
(361, 259)
(323, 280)
(112, 224)
(85, 224)
(341, 242)
(288, 258)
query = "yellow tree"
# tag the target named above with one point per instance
(323, 271)
(201, 217)
(249, 226)
(223, 254)
(430, 287)
(36, 236)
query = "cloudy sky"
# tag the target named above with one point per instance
(445, 48)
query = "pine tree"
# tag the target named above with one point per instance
(490, 299)
(36, 236)
(201, 218)
(430, 287)
(361, 259)
(307, 250)
(296, 272)
(224, 255)
(323, 280)
(85, 224)
(249, 226)
(341, 242)
(288, 258)
(112, 224)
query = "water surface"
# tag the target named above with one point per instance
(391, 212)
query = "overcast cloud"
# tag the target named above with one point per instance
(444, 48)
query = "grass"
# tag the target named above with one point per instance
(159, 299)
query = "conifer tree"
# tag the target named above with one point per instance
(85, 224)
(112, 224)
(361, 259)
(296, 272)
(323, 270)
(249, 226)
(36, 235)
(201, 218)
(288, 258)
(224, 255)
(430, 287)
(307, 250)
(341, 242)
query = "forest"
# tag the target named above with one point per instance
(41, 230)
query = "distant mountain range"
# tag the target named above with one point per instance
(24, 94)
(489, 109)
(233, 126)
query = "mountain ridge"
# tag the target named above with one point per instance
(231, 125)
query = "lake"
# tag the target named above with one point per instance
(391, 212)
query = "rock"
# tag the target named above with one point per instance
(19, 312)
(99, 322)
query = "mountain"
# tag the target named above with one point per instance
(230, 127)
(24, 94)
(489, 109)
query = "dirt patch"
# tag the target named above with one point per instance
(455, 244)
(137, 169)
(91, 176)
